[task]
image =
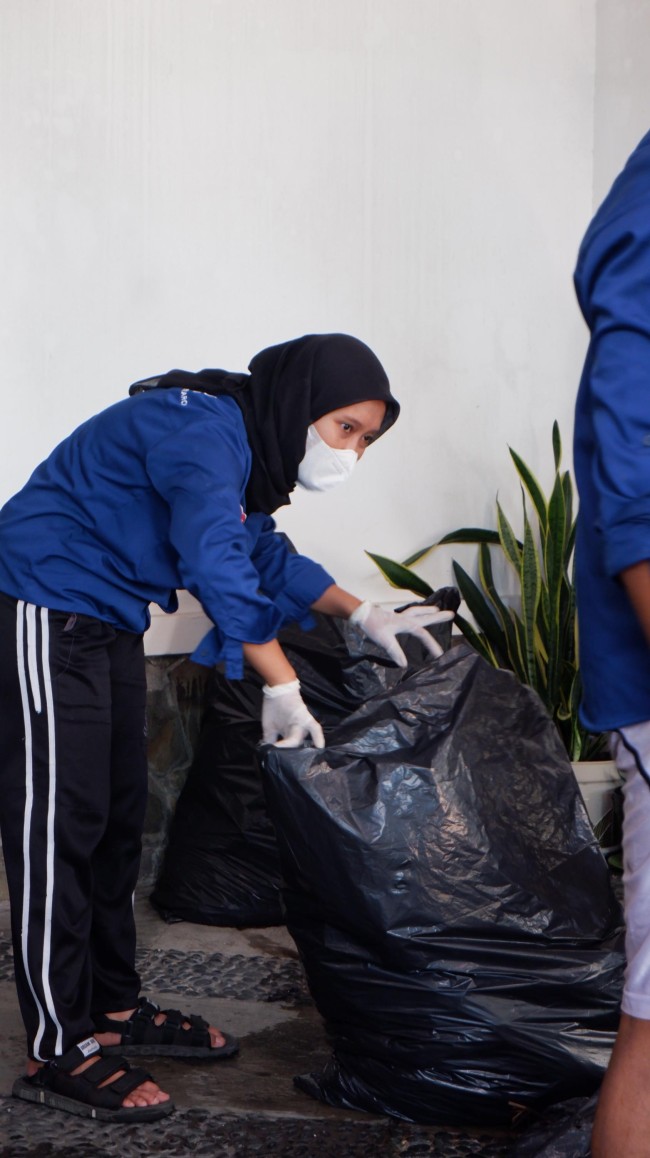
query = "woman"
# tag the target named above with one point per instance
(173, 487)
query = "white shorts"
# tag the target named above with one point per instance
(630, 749)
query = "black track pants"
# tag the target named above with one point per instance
(73, 787)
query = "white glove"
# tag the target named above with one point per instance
(383, 626)
(285, 713)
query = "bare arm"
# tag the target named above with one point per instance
(636, 581)
(336, 601)
(270, 662)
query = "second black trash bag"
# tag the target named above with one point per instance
(451, 906)
(221, 864)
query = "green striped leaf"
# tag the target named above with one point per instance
(545, 611)
(413, 559)
(567, 488)
(540, 645)
(554, 550)
(511, 546)
(475, 640)
(479, 607)
(557, 445)
(469, 535)
(520, 666)
(532, 486)
(487, 582)
(400, 576)
(462, 535)
(570, 544)
(531, 584)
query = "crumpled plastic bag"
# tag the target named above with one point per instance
(563, 1131)
(450, 903)
(221, 865)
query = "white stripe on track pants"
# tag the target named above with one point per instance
(73, 789)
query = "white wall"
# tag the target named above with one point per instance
(187, 181)
(622, 96)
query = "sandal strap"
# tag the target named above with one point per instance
(87, 1086)
(145, 1013)
(76, 1055)
(147, 1009)
(141, 1027)
(130, 1080)
(100, 1071)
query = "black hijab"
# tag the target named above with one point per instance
(290, 386)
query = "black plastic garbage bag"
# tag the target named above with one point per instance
(563, 1131)
(452, 908)
(221, 863)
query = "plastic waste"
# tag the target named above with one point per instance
(563, 1131)
(221, 864)
(450, 903)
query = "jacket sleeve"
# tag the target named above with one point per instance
(613, 285)
(292, 581)
(200, 472)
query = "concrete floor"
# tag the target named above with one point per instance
(248, 1083)
(231, 1108)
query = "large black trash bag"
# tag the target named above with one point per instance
(221, 864)
(563, 1131)
(451, 906)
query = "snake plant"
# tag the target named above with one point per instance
(538, 639)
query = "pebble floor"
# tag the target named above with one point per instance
(26, 1130)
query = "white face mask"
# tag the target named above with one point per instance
(323, 467)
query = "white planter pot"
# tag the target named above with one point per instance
(597, 780)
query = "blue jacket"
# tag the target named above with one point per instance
(612, 448)
(147, 497)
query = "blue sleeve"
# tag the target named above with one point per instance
(292, 581)
(200, 472)
(613, 285)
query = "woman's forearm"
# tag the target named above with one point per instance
(270, 662)
(336, 601)
(636, 581)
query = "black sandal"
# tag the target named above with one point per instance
(55, 1085)
(141, 1037)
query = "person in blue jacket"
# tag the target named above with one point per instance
(174, 487)
(612, 466)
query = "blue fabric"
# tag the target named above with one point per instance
(612, 448)
(145, 498)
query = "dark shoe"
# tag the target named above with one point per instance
(141, 1037)
(55, 1085)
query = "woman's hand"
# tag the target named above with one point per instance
(383, 627)
(286, 719)
(285, 714)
